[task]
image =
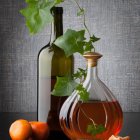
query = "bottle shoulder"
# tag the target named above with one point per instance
(44, 53)
(44, 49)
(54, 53)
(51, 48)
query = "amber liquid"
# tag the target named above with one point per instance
(109, 114)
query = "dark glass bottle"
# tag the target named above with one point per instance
(52, 62)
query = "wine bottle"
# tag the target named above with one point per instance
(52, 62)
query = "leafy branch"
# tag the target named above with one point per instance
(66, 85)
(38, 15)
(88, 44)
(75, 41)
(95, 129)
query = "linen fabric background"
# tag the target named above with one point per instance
(116, 22)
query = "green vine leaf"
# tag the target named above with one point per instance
(95, 129)
(93, 38)
(81, 12)
(80, 74)
(71, 42)
(88, 46)
(84, 95)
(37, 14)
(64, 86)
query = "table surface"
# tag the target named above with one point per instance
(131, 125)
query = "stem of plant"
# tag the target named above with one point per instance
(84, 17)
(83, 110)
(84, 20)
(86, 114)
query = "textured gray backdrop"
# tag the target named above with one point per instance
(116, 22)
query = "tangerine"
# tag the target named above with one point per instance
(20, 130)
(40, 130)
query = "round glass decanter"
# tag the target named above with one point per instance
(99, 117)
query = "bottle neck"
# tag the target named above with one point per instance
(56, 27)
(92, 72)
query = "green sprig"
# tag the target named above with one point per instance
(84, 95)
(80, 74)
(95, 129)
(71, 42)
(38, 14)
(66, 85)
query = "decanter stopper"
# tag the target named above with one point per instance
(92, 58)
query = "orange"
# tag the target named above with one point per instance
(20, 130)
(40, 130)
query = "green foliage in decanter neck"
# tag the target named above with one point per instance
(66, 85)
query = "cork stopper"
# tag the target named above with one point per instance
(92, 58)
